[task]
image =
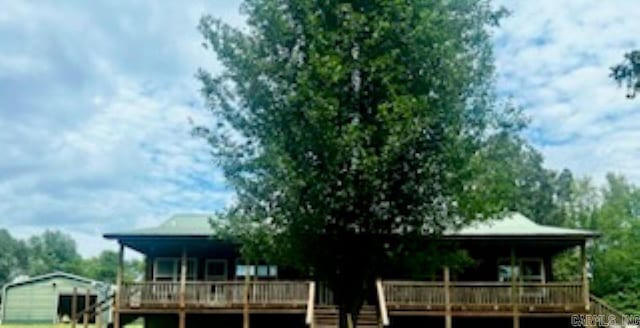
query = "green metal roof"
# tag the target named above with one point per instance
(514, 224)
(185, 225)
(511, 225)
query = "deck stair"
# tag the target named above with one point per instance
(368, 317)
(329, 316)
(326, 316)
(600, 308)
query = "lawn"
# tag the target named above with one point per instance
(11, 325)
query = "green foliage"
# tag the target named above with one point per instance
(616, 264)
(343, 125)
(627, 73)
(513, 177)
(53, 251)
(567, 266)
(614, 211)
(104, 267)
(56, 251)
(12, 257)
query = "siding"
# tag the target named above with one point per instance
(37, 301)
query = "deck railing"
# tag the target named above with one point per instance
(427, 294)
(214, 294)
(396, 294)
(607, 312)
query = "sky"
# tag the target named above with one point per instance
(97, 100)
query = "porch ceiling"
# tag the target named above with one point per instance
(172, 246)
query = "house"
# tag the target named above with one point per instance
(192, 279)
(49, 298)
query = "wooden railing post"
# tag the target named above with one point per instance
(311, 304)
(382, 303)
(118, 296)
(585, 275)
(74, 307)
(447, 298)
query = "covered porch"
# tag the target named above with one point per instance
(511, 275)
(187, 272)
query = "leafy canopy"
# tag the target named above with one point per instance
(627, 73)
(13, 257)
(57, 251)
(343, 124)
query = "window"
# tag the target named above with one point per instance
(532, 270)
(168, 269)
(505, 272)
(241, 270)
(260, 271)
(164, 270)
(216, 270)
(526, 270)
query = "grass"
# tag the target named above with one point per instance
(61, 325)
(41, 325)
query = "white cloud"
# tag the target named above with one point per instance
(553, 57)
(95, 102)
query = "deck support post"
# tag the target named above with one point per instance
(182, 318)
(118, 296)
(447, 298)
(183, 289)
(74, 307)
(245, 305)
(585, 275)
(514, 290)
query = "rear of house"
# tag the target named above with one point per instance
(48, 298)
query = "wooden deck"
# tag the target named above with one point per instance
(483, 298)
(223, 296)
(397, 297)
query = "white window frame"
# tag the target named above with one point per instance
(175, 276)
(209, 277)
(272, 270)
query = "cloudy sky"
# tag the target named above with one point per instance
(96, 100)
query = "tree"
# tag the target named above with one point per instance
(514, 178)
(53, 251)
(627, 73)
(104, 267)
(345, 125)
(612, 209)
(579, 207)
(616, 267)
(12, 257)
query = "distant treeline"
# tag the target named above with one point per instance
(56, 251)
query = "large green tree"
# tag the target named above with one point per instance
(627, 73)
(13, 257)
(613, 209)
(343, 125)
(53, 251)
(616, 265)
(514, 177)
